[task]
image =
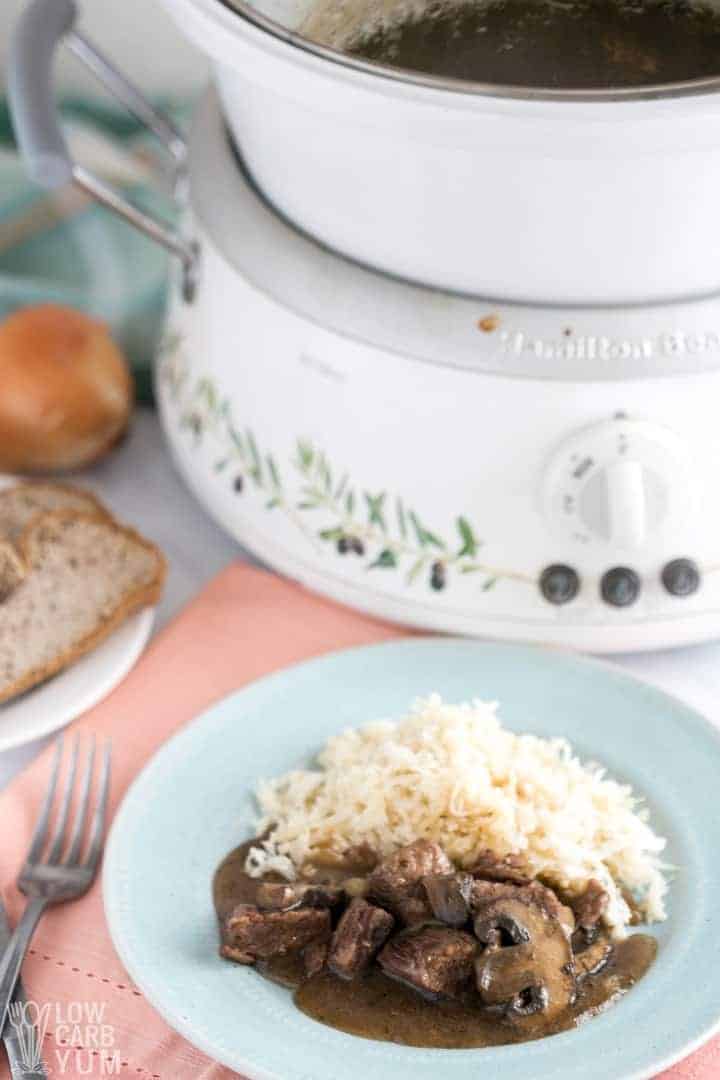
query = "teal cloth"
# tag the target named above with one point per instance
(92, 260)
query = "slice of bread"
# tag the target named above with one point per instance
(86, 575)
(21, 503)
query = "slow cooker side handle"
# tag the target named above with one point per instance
(42, 26)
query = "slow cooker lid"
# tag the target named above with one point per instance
(571, 343)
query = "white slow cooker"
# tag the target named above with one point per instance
(479, 467)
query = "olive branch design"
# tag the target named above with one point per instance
(374, 526)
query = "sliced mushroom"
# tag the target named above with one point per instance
(503, 973)
(538, 974)
(528, 1003)
(592, 959)
(488, 892)
(511, 917)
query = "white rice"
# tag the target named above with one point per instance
(453, 774)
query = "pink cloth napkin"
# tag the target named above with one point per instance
(245, 624)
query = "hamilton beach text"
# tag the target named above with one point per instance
(598, 347)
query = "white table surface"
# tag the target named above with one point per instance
(139, 482)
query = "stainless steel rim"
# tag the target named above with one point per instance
(659, 92)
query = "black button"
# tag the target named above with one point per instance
(681, 577)
(620, 586)
(559, 584)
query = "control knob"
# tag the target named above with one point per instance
(681, 577)
(618, 484)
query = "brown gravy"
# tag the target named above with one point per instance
(578, 44)
(376, 1007)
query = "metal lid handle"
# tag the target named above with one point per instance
(42, 26)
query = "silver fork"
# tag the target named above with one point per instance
(61, 865)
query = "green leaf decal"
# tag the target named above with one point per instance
(419, 531)
(384, 532)
(256, 470)
(387, 559)
(434, 540)
(424, 536)
(274, 473)
(375, 509)
(401, 518)
(325, 473)
(237, 440)
(469, 541)
(306, 455)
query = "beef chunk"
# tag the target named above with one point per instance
(435, 960)
(249, 934)
(547, 899)
(362, 929)
(283, 896)
(488, 866)
(486, 892)
(449, 897)
(399, 877)
(590, 906)
(413, 911)
(315, 957)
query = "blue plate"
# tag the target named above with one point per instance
(193, 803)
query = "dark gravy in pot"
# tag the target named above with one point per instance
(556, 44)
(376, 1007)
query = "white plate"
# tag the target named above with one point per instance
(76, 689)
